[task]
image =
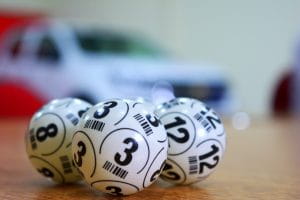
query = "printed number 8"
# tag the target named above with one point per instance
(43, 132)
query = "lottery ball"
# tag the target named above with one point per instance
(120, 146)
(196, 140)
(49, 136)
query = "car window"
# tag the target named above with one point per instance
(98, 42)
(91, 43)
(119, 45)
(48, 51)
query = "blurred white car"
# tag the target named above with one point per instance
(54, 60)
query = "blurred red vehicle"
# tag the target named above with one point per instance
(54, 60)
(12, 93)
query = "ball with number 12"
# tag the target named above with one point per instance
(196, 137)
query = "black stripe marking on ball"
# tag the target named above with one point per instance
(94, 125)
(144, 124)
(115, 170)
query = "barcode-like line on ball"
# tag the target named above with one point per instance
(199, 117)
(145, 125)
(118, 171)
(94, 124)
(66, 164)
(32, 139)
(193, 165)
(74, 120)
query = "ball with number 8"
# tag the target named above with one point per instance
(49, 135)
(120, 146)
(196, 140)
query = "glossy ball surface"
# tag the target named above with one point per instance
(120, 146)
(49, 136)
(196, 140)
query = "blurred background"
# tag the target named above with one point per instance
(240, 57)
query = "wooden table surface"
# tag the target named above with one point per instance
(261, 162)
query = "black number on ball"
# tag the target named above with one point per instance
(106, 108)
(49, 131)
(153, 120)
(216, 158)
(183, 131)
(169, 174)
(114, 190)
(80, 153)
(213, 120)
(128, 152)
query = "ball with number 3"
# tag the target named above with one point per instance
(196, 140)
(120, 146)
(49, 135)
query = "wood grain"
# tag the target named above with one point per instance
(261, 162)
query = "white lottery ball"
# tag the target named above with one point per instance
(49, 136)
(196, 140)
(120, 146)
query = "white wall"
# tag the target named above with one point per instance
(251, 40)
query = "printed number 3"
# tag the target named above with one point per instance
(106, 108)
(153, 120)
(128, 152)
(81, 152)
